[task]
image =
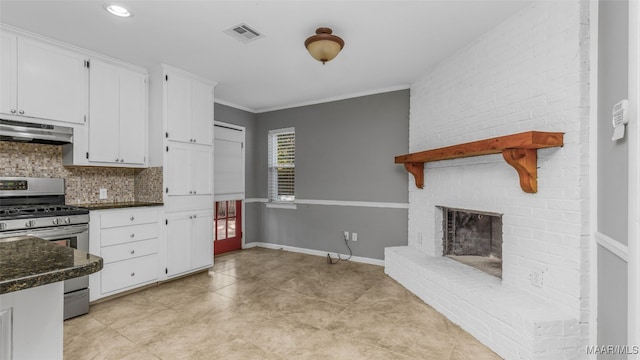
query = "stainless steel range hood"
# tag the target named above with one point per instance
(20, 131)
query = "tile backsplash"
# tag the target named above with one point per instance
(83, 184)
(148, 185)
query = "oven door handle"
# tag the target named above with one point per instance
(59, 232)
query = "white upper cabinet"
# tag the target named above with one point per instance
(189, 109)
(189, 170)
(8, 73)
(40, 80)
(178, 108)
(103, 113)
(202, 113)
(133, 117)
(117, 115)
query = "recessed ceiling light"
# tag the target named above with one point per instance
(117, 10)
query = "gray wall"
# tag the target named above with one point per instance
(344, 151)
(612, 173)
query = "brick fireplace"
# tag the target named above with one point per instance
(529, 73)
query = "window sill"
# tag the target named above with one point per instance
(282, 205)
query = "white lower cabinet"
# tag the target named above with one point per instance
(128, 242)
(189, 241)
(31, 323)
(125, 274)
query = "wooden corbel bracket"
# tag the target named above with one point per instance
(525, 161)
(417, 170)
(519, 150)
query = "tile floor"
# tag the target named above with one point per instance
(271, 304)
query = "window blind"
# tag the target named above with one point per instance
(282, 154)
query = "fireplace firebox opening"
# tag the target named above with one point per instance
(473, 238)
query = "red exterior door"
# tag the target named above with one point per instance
(227, 226)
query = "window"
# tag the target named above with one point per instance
(282, 165)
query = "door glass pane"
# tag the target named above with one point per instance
(221, 210)
(231, 228)
(232, 208)
(221, 229)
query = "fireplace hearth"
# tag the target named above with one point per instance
(473, 238)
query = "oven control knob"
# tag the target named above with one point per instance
(3, 226)
(55, 221)
(67, 220)
(30, 223)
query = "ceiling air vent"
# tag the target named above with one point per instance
(244, 33)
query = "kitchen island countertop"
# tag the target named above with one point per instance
(28, 261)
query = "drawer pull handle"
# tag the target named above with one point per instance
(133, 274)
(131, 218)
(133, 252)
(132, 235)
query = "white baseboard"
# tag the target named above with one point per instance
(359, 259)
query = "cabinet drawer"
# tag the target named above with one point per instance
(131, 217)
(121, 235)
(129, 250)
(127, 273)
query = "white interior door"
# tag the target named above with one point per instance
(228, 162)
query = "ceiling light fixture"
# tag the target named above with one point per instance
(324, 46)
(118, 10)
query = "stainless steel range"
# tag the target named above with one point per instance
(35, 207)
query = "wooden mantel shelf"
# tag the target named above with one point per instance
(519, 150)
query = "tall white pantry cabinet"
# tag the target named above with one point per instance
(181, 141)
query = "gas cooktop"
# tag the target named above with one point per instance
(37, 211)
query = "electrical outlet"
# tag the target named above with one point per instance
(354, 236)
(103, 194)
(346, 235)
(536, 277)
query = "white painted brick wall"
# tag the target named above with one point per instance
(529, 73)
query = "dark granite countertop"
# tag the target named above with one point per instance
(28, 261)
(117, 205)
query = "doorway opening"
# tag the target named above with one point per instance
(227, 226)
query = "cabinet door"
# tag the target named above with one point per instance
(202, 238)
(179, 244)
(133, 117)
(202, 113)
(103, 112)
(51, 82)
(178, 170)
(179, 107)
(202, 170)
(8, 73)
